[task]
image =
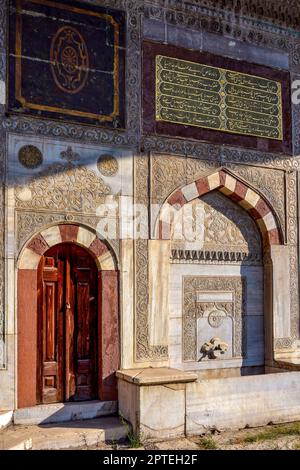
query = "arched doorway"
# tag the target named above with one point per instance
(229, 288)
(67, 325)
(67, 265)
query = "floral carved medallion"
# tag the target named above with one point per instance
(107, 165)
(30, 157)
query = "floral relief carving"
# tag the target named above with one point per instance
(193, 309)
(291, 204)
(199, 16)
(220, 226)
(228, 226)
(107, 165)
(171, 171)
(143, 349)
(195, 168)
(168, 172)
(274, 10)
(219, 155)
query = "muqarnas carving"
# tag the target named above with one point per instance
(67, 61)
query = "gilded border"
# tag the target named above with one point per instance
(18, 61)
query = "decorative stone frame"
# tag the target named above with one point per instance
(278, 300)
(108, 285)
(233, 284)
(257, 207)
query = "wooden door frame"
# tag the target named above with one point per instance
(108, 308)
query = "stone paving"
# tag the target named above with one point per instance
(110, 434)
(59, 436)
(272, 437)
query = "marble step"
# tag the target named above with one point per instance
(5, 418)
(60, 436)
(63, 412)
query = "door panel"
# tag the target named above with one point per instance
(51, 308)
(68, 325)
(85, 291)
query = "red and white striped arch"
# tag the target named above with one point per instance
(257, 207)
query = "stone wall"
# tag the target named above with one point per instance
(236, 403)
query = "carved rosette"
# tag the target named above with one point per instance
(107, 165)
(30, 157)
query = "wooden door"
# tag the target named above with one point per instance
(67, 346)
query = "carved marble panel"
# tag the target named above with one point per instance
(228, 226)
(143, 350)
(213, 223)
(2, 266)
(167, 172)
(194, 308)
(219, 155)
(195, 167)
(63, 186)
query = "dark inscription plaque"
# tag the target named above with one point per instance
(67, 61)
(199, 95)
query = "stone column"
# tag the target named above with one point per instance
(127, 303)
(278, 302)
(109, 355)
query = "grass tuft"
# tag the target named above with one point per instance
(134, 439)
(274, 432)
(208, 443)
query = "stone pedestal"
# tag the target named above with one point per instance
(153, 400)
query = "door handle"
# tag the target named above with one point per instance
(68, 305)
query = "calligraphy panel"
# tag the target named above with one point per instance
(67, 61)
(208, 97)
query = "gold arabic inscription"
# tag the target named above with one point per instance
(195, 94)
